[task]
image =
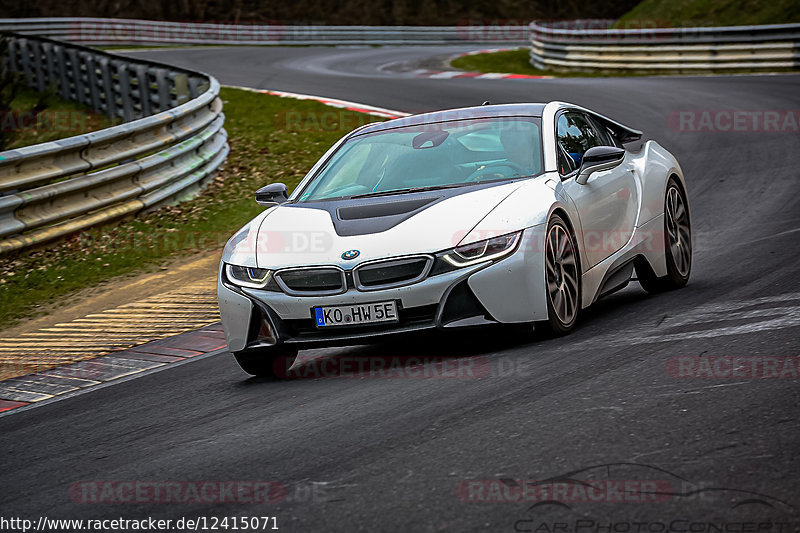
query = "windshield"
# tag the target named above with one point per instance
(446, 154)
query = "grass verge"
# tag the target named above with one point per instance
(518, 62)
(272, 139)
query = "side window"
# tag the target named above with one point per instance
(576, 134)
(566, 165)
(606, 135)
(612, 139)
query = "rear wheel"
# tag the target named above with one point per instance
(562, 276)
(677, 242)
(271, 362)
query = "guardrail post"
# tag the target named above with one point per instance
(162, 86)
(94, 83)
(49, 65)
(143, 86)
(107, 103)
(59, 57)
(25, 59)
(74, 74)
(13, 63)
(180, 83)
(194, 87)
(82, 73)
(38, 82)
(125, 91)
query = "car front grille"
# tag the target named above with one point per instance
(390, 273)
(312, 281)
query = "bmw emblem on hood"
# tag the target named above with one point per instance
(350, 254)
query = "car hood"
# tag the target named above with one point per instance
(319, 233)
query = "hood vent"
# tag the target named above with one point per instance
(382, 209)
(365, 216)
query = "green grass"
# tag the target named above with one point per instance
(677, 13)
(512, 61)
(272, 139)
(517, 62)
(58, 120)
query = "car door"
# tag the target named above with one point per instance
(608, 203)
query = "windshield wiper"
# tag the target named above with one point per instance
(409, 190)
(512, 178)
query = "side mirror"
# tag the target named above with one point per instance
(272, 195)
(599, 158)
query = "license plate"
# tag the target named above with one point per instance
(350, 315)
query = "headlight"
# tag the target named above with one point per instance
(481, 251)
(255, 278)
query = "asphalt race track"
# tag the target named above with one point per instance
(394, 454)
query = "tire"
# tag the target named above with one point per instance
(677, 244)
(562, 278)
(271, 362)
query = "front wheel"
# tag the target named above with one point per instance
(273, 362)
(562, 277)
(677, 243)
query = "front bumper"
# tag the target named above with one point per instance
(508, 291)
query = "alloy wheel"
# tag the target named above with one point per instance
(562, 274)
(678, 231)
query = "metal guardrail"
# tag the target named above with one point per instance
(168, 152)
(583, 45)
(103, 32)
(766, 47)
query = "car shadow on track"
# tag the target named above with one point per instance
(437, 352)
(634, 306)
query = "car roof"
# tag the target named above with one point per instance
(462, 113)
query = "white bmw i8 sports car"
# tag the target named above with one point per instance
(517, 213)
